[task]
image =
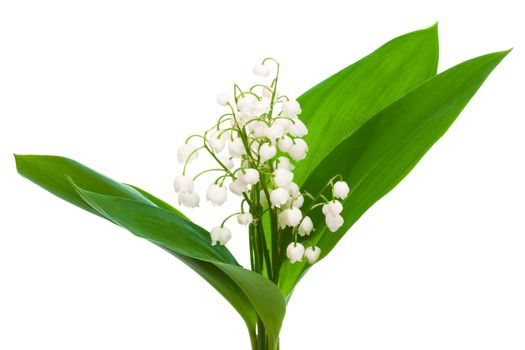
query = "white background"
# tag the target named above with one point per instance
(437, 264)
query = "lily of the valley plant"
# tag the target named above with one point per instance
(303, 170)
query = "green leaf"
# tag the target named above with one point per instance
(51, 173)
(375, 158)
(338, 106)
(191, 244)
(183, 237)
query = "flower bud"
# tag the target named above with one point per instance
(291, 108)
(183, 184)
(185, 151)
(298, 150)
(341, 189)
(244, 218)
(334, 222)
(279, 197)
(261, 70)
(267, 152)
(223, 99)
(249, 176)
(306, 227)
(238, 187)
(312, 254)
(295, 252)
(216, 194)
(332, 208)
(220, 235)
(189, 199)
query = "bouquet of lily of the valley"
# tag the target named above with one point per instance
(303, 170)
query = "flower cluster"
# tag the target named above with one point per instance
(255, 145)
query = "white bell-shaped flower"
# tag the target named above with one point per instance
(298, 201)
(238, 187)
(334, 222)
(183, 184)
(238, 120)
(189, 199)
(227, 162)
(306, 227)
(267, 152)
(312, 254)
(185, 151)
(282, 219)
(282, 177)
(293, 189)
(261, 70)
(279, 197)
(285, 143)
(292, 216)
(298, 129)
(223, 99)
(247, 104)
(341, 189)
(249, 176)
(244, 218)
(283, 163)
(217, 194)
(258, 128)
(291, 108)
(295, 252)
(298, 150)
(333, 207)
(274, 132)
(217, 141)
(220, 235)
(236, 148)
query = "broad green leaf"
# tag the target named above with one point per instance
(191, 245)
(375, 158)
(183, 237)
(51, 173)
(338, 106)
